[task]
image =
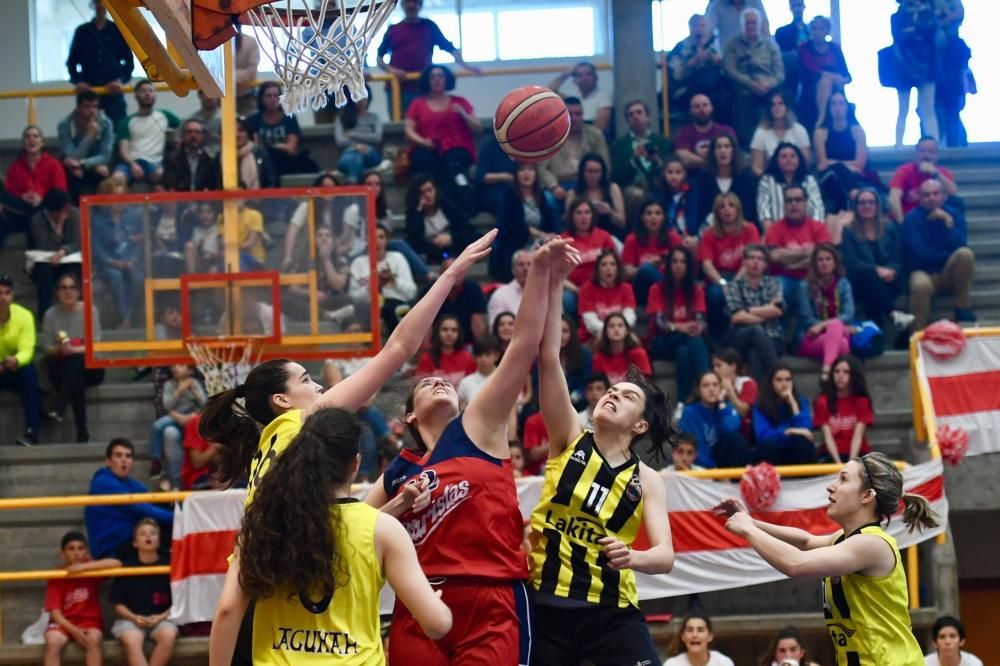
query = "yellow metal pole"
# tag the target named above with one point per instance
(230, 171)
(913, 577)
(397, 99)
(32, 112)
(47, 574)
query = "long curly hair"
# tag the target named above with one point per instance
(292, 535)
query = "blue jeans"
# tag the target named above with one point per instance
(417, 265)
(369, 454)
(24, 382)
(715, 302)
(690, 354)
(647, 275)
(124, 284)
(790, 290)
(353, 163)
(160, 426)
(375, 419)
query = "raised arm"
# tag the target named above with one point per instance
(793, 536)
(404, 342)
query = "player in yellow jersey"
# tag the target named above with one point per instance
(596, 496)
(864, 586)
(315, 559)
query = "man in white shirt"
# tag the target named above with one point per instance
(508, 297)
(395, 281)
(597, 102)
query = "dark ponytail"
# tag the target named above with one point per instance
(292, 531)
(661, 431)
(235, 427)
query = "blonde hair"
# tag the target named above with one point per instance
(716, 221)
(880, 474)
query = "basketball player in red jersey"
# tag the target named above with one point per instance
(468, 537)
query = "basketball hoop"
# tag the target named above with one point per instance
(319, 52)
(226, 363)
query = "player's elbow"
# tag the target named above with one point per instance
(438, 624)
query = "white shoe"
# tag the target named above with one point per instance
(902, 320)
(340, 314)
(678, 410)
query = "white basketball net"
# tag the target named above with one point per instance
(315, 58)
(224, 367)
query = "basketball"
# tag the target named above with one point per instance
(531, 123)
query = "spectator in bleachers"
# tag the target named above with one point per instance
(99, 56)
(253, 160)
(843, 412)
(617, 349)
(824, 71)
(595, 387)
(410, 45)
(168, 322)
(721, 255)
(725, 172)
(517, 461)
(825, 308)
(673, 191)
(17, 351)
(782, 421)
(637, 157)
(114, 230)
(948, 637)
(421, 273)
(211, 119)
(200, 459)
(753, 65)
(507, 298)
(73, 605)
(841, 154)
(904, 188)
(676, 312)
(395, 281)
(737, 388)
(778, 125)
(693, 142)
(787, 646)
(953, 77)
(524, 216)
(332, 278)
(536, 444)
(605, 293)
(873, 259)
(791, 241)
(597, 101)
(725, 17)
(714, 423)
(190, 168)
(54, 229)
(340, 215)
(755, 304)
(576, 360)
(183, 398)
(203, 250)
(447, 357)
(790, 37)
(590, 241)
(937, 258)
(503, 330)
(495, 175)
(486, 352)
(143, 139)
(467, 302)
(358, 133)
(142, 603)
(63, 343)
(559, 172)
(787, 168)
(441, 128)
(32, 173)
(696, 64)
(110, 527)
(644, 249)
(692, 644)
(592, 184)
(917, 63)
(279, 132)
(86, 138)
(436, 227)
(683, 454)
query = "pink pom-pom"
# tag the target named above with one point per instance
(760, 486)
(943, 339)
(953, 443)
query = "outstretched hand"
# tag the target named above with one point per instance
(472, 253)
(728, 507)
(560, 255)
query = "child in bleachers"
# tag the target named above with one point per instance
(517, 461)
(446, 358)
(617, 349)
(782, 421)
(738, 389)
(596, 386)
(844, 412)
(606, 292)
(74, 611)
(684, 453)
(183, 397)
(715, 424)
(143, 602)
(486, 351)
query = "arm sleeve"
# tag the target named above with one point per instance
(372, 136)
(199, 395)
(173, 121)
(65, 143)
(404, 278)
(74, 58)
(48, 331)
(762, 428)
(104, 147)
(804, 417)
(640, 359)
(806, 315)
(729, 62)
(920, 252)
(846, 313)
(169, 395)
(765, 202)
(339, 136)
(729, 419)
(853, 260)
(26, 341)
(125, 59)
(821, 415)
(816, 209)
(359, 279)
(438, 38)
(894, 248)
(777, 64)
(959, 230)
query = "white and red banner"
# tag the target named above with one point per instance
(708, 557)
(965, 391)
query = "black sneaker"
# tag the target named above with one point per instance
(27, 439)
(82, 437)
(155, 469)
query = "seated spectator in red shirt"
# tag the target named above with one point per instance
(440, 128)
(536, 444)
(590, 242)
(843, 412)
(410, 46)
(823, 71)
(692, 141)
(676, 312)
(503, 330)
(446, 358)
(738, 389)
(436, 227)
(200, 458)
(791, 241)
(604, 294)
(72, 603)
(720, 253)
(31, 174)
(517, 461)
(644, 249)
(904, 188)
(617, 349)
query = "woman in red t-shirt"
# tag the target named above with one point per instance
(503, 330)
(721, 255)
(676, 312)
(643, 252)
(738, 389)
(617, 349)
(844, 412)
(604, 294)
(589, 241)
(446, 358)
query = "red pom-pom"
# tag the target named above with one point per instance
(760, 486)
(943, 339)
(953, 443)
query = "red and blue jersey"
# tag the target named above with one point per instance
(473, 525)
